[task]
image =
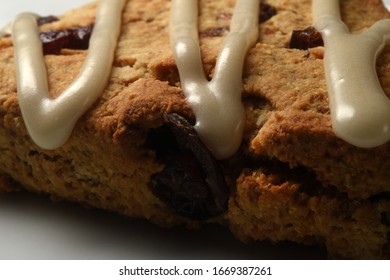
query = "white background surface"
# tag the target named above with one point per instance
(32, 227)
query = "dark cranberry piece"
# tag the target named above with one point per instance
(192, 182)
(76, 38)
(47, 19)
(266, 12)
(305, 39)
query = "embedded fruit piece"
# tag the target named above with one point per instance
(76, 38)
(47, 19)
(267, 11)
(305, 39)
(192, 182)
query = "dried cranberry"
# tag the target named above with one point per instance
(305, 39)
(76, 38)
(266, 12)
(192, 182)
(46, 19)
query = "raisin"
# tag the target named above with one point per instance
(266, 12)
(75, 38)
(192, 182)
(305, 39)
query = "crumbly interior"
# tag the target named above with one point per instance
(295, 179)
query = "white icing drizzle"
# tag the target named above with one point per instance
(359, 107)
(50, 121)
(217, 105)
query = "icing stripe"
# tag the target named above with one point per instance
(50, 121)
(217, 104)
(359, 107)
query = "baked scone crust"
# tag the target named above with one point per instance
(295, 179)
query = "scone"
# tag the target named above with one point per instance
(143, 148)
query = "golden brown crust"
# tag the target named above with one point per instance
(298, 129)
(298, 181)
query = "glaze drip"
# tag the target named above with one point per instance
(217, 104)
(50, 121)
(359, 107)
